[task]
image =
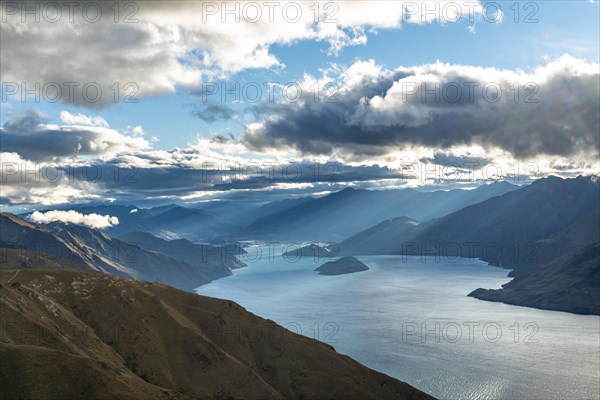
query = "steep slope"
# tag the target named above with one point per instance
(155, 211)
(563, 274)
(134, 261)
(339, 215)
(278, 206)
(17, 233)
(11, 258)
(383, 238)
(217, 258)
(570, 283)
(240, 212)
(569, 241)
(504, 229)
(88, 335)
(169, 221)
(546, 232)
(96, 251)
(188, 222)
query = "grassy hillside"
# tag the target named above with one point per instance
(81, 335)
(11, 258)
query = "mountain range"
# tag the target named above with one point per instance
(542, 232)
(170, 221)
(327, 219)
(547, 232)
(183, 249)
(85, 331)
(96, 251)
(341, 214)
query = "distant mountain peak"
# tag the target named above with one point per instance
(502, 183)
(594, 178)
(349, 191)
(404, 219)
(551, 178)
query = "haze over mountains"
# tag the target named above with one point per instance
(332, 217)
(339, 215)
(301, 159)
(548, 205)
(185, 250)
(547, 232)
(169, 221)
(65, 274)
(560, 231)
(96, 251)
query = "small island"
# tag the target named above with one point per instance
(345, 265)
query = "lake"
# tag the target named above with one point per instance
(411, 318)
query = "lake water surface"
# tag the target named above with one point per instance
(411, 318)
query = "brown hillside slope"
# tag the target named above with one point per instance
(25, 259)
(86, 335)
(96, 251)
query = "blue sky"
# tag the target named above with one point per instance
(569, 27)
(171, 53)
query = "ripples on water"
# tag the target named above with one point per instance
(411, 318)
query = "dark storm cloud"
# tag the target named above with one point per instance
(28, 135)
(458, 161)
(553, 111)
(130, 183)
(133, 182)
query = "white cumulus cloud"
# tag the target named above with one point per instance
(81, 119)
(96, 221)
(158, 46)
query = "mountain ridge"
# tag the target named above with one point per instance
(101, 336)
(343, 213)
(96, 251)
(561, 218)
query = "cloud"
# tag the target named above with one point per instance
(214, 112)
(25, 121)
(81, 119)
(95, 221)
(450, 159)
(148, 178)
(27, 182)
(155, 47)
(30, 135)
(551, 111)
